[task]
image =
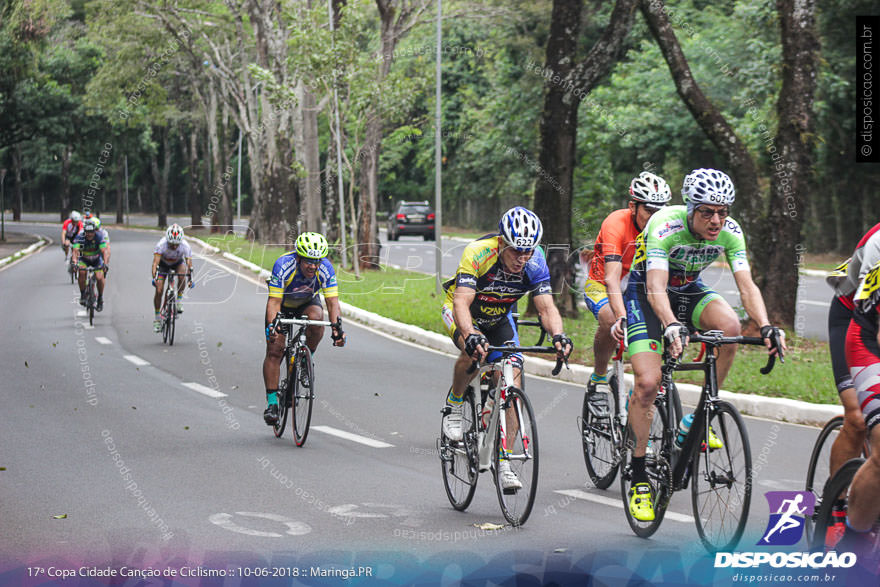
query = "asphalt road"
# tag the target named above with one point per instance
(120, 451)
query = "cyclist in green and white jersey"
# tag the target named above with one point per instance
(666, 296)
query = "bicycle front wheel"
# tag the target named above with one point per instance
(836, 486)
(597, 439)
(518, 448)
(819, 470)
(285, 377)
(171, 317)
(721, 489)
(92, 300)
(657, 469)
(459, 459)
(303, 387)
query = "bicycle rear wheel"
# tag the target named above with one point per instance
(93, 300)
(819, 470)
(520, 449)
(459, 459)
(657, 468)
(285, 377)
(597, 438)
(838, 484)
(171, 317)
(303, 386)
(721, 489)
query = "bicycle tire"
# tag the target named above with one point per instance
(285, 373)
(165, 311)
(819, 469)
(303, 394)
(657, 468)
(72, 271)
(459, 460)
(522, 455)
(92, 299)
(172, 320)
(597, 441)
(836, 485)
(726, 479)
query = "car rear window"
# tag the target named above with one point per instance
(415, 209)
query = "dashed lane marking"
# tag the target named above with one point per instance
(103, 340)
(136, 360)
(353, 437)
(578, 494)
(204, 389)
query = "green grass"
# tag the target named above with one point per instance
(411, 298)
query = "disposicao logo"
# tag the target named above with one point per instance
(788, 510)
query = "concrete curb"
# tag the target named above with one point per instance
(42, 242)
(773, 408)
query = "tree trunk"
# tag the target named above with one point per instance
(16, 171)
(66, 153)
(567, 83)
(120, 190)
(308, 153)
(160, 178)
(193, 191)
(780, 242)
(711, 121)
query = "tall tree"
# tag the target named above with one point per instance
(567, 83)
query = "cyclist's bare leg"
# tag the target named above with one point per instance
(863, 506)
(718, 315)
(511, 417)
(314, 334)
(99, 276)
(460, 375)
(603, 343)
(157, 297)
(272, 362)
(849, 442)
(81, 279)
(646, 371)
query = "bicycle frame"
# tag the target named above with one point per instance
(299, 338)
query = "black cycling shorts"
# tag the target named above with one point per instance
(165, 269)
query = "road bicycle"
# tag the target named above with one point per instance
(91, 293)
(505, 430)
(720, 478)
(296, 385)
(71, 268)
(818, 471)
(168, 309)
(603, 421)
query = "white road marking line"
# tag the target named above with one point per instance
(81, 314)
(204, 389)
(103, 340)
(294, 527)
(352, 437)
(136, 360)
(578, 494)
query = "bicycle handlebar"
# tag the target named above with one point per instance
(716, 338)
(508, 350)
(302, 322)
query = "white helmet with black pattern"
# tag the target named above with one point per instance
(651, 190)
(521, 229)
(707, 186)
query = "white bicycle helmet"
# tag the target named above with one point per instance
(652, 190)
(174, 234)
(75, 216)
(707, 186)
(521, 229)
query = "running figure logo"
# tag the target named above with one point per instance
(788, 509)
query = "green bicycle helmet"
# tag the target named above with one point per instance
(311, 245)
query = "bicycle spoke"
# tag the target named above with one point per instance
(458, 459)
(517, 444)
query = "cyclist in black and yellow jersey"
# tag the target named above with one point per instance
(494, 273)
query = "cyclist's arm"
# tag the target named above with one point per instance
(613, 269)
(752, 300)
(548, 313)
(75, 248)
(462, 298)
(333, 309)
(273, 306)
(657, 297)
(105, 251)
(156, 257)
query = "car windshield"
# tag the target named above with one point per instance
(416, 209)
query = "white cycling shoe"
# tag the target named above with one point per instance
(510, 483)
(452, 423)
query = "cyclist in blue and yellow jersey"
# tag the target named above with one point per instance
(666, 296)
(494, 273)
(90, 250)
(297, 277)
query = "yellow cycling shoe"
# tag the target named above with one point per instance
(640, 506)
(714, 442)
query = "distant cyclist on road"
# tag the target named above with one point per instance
(494, 273)
(172, 254)
(609, 269)
(863, 357)
(297, 277)
(665, 296)
(90, 250)
(69, 230)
